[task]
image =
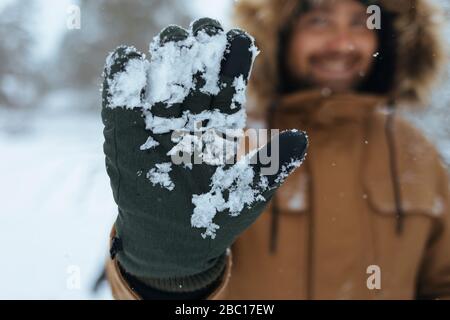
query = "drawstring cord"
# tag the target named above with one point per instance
(274, 225)
(274, 208)
(390, 135)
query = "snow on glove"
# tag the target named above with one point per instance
(171, 128)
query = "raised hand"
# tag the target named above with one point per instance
(172, 127)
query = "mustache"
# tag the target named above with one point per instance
(351, 56)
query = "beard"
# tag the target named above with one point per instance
(336, 71)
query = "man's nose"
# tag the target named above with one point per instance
(341, 40)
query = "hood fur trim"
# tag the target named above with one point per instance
(420, 52)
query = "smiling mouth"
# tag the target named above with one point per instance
(335, 68)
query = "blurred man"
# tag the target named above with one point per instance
(367, 215)
(372, 199)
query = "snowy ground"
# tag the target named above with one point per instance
(56, 205)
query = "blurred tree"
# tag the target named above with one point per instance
(106, 24)
(18, 85)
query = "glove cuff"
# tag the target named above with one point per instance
(188, 283)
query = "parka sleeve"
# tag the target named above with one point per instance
(434, 277)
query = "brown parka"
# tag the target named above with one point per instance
(368, 214)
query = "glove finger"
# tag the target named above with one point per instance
(235, 69)
(170, 34)
(117, 112)
(198, 101)
(208, 25)
(116, 63)
(280, 157)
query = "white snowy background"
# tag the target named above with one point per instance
(56, 206)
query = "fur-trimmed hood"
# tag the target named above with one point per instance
(420, 50)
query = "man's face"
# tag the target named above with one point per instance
(331, 46)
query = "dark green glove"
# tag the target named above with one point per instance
(176, 220)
